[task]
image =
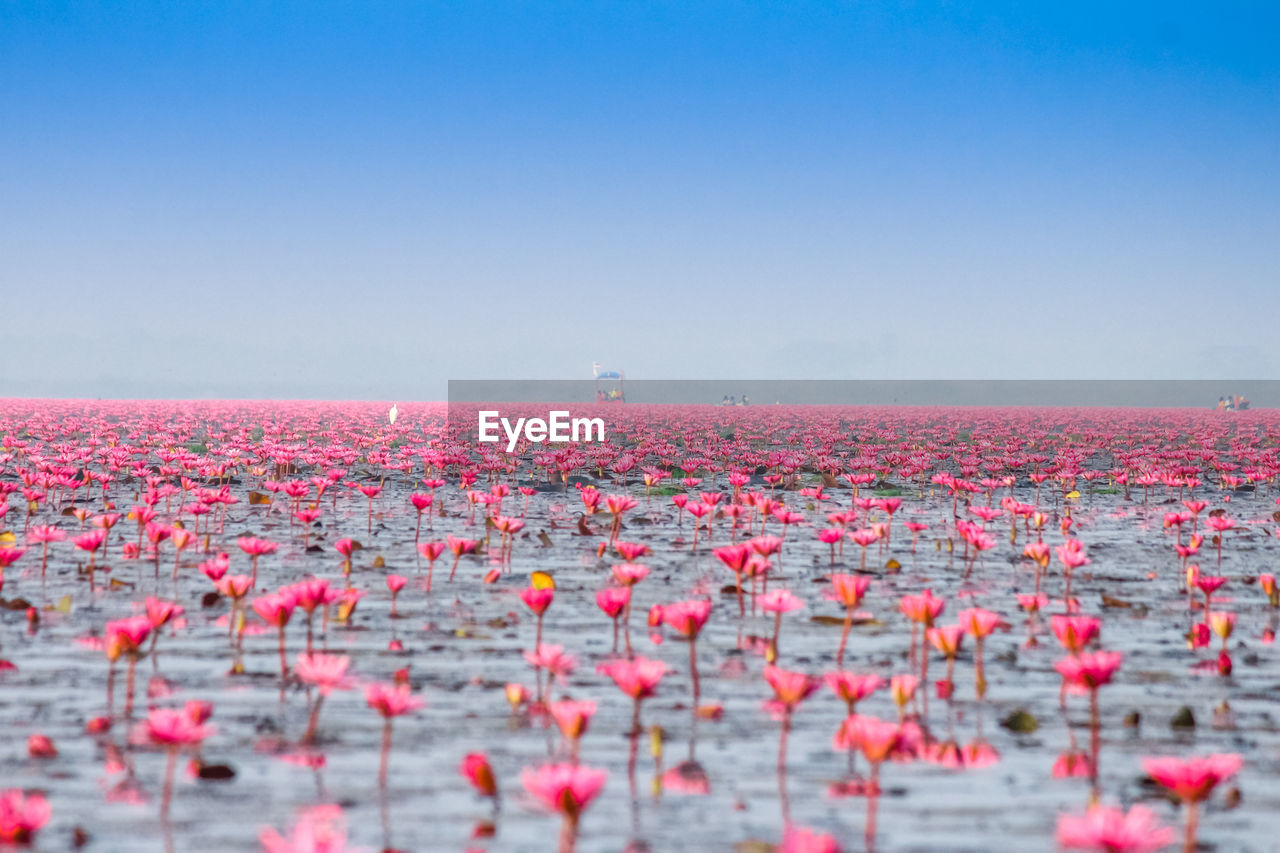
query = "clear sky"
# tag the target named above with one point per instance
(362, 200)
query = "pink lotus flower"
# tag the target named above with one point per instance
(687, 617)
(946, 639)
(1089, 670)
(1192, 779)
(1071, 554)
(734, 557)
(256, 547)
(126, 636)
(572, 718)
(1075, 632)
(636, 677)
(90, 541)
(780, 601)
(275, 608)
(1111, 830)
(631, 551)
(431, 551)
(790, 688)
(877, 739)
(849, 590)
(1071, 764)
(852, 688)
(169, 728)
(475, 769)
(310, 595)
(321, 829)
(234, 586)
(21, 815)
(797, 839)
(325, 672)
(553, 659)
(564, 788)
(978, 622)
(537, 600)
(392, 700)
(630, 574)
(902, 688)
(922, 608)
(40, 534)
(613, 600)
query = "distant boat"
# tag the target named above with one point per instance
(608, 384)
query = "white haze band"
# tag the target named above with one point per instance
(558, 427)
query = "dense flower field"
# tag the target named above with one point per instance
(304, 627)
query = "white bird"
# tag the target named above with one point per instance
(391, 415)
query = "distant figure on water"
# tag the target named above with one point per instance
(391, 415)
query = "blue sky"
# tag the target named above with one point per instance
(362, 200)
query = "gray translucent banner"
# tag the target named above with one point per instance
(1198, 394)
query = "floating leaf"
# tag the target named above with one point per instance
(544, 539)
(256, 498)
(1021, 721)
(542, 580)
(893, 565)
(753, 845)
(1110, 601)
(379, 562)
(63, 605)
(7, 538)
(839, 620)
(1183, 719)
(216, 772)
(1072, 495)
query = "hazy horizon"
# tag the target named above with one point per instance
(350, 201)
